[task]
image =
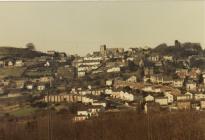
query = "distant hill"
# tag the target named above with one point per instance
(179, 50)
(18, 52)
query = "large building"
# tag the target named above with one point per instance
(104, 51)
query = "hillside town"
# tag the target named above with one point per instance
(157, 79)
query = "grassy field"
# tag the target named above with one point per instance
(25, 111)
(15, 71)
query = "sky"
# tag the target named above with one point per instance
(81, 27)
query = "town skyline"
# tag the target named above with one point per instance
(81, 27)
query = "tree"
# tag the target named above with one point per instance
(30, 46)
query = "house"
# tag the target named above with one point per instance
(83, 112)
(156, 89)
(108, 91)
(109, 82)
(154, 58)
(195, 105)
(169, 96)
(10, 63)
(47, 64)
(161, 100)
(80, 118)
(158, 64)
(132, 79)
(97, 92)
(29, 85)
(202, 104)
(159, 78)
(184, 105)
(46, 79)
(94, 110)
(113, 69)
(20, 83)
(148, 71)
(130, 59)
(168, 58)
(93, 58)
(2, 90)
(51, 52)
(149, 98)
(123, 96)
(41, 87)
(194, 72)
(183, 97)
(146, 78)
(201, 88)
(147, 89)
(87, 100)
(2, 63)
(81, 73)
(167, 80)
(19, 63)
(99, 103)
(191, 85)
(178, 83)
(199, 96)
(182, 73)
(189, 94)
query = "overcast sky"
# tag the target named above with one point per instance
(81, 27)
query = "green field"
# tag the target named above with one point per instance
(25, 111)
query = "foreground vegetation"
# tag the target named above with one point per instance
(109, 126)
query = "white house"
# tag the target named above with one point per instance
(19, 63)
(202, 104)
(169, 96)
(162, 100)
(149, 98)
(108, 91)
(154, 58)
(2, 63)
(183, 97)
(132, 79)
(178, 83)
(147, 89)
(81, 73)
(10, 63)
(11, 95)
(168, 58)
(47, 64)
(97, 103)
(29, 86)
(93, 58)
(41, 87)
(190, 94)
(109, 82)
(199, 96)
(190, 85)
(114, 69)
(83, 112)
(86, 100)
(80, 118)
(123, 96)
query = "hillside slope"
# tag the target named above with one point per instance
(18, 52)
